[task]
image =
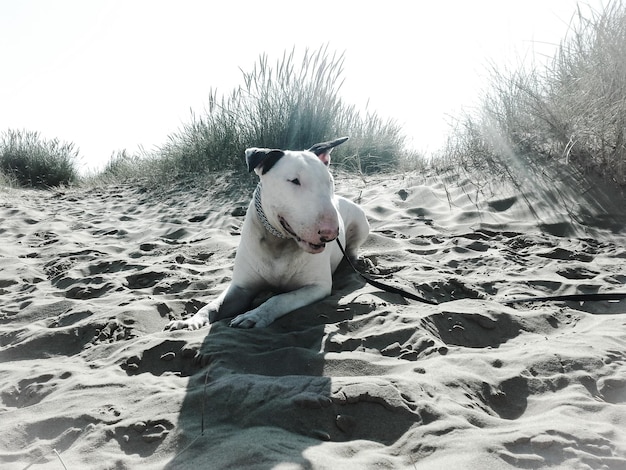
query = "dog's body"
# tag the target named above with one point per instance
(292, 217)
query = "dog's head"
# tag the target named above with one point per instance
(298, 192)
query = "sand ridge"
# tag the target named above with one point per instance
(363, 379)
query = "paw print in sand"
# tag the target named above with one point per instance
(112, 332)
(143, 436)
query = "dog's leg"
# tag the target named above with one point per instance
(232, 301)
(356, 226)
(279, 305)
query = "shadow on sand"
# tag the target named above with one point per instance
(261, 397)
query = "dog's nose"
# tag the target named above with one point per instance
(328, 234)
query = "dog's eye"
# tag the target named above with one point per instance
(295, 181)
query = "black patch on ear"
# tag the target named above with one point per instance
(266, 158)
(326, 147)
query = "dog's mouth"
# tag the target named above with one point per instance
(307, 246)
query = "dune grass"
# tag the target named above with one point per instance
(292, 104)
(572, 109)
(27, 159)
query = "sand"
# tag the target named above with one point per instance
(362, 380)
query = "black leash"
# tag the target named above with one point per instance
(570, 297)
(380, 285)
(409, 295)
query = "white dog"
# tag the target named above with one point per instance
(293, 216)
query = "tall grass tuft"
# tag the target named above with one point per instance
(572, 109)
(288, 105)
(30, 160)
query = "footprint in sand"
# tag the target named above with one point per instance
(27, 392)
(142, 437)
(166, 357)
(145, 279)
(113, 331)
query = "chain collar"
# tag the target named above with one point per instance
(259, 210)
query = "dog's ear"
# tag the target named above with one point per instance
(262, 160)
(323, 149)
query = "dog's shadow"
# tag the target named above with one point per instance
(261, 397)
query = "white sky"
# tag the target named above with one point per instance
(111, 75)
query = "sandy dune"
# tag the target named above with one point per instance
(364, 379)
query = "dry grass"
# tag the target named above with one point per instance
(292, 104)
(27, 159)
(573, 109)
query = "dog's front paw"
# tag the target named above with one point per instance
(250, 320)
(193, 323)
